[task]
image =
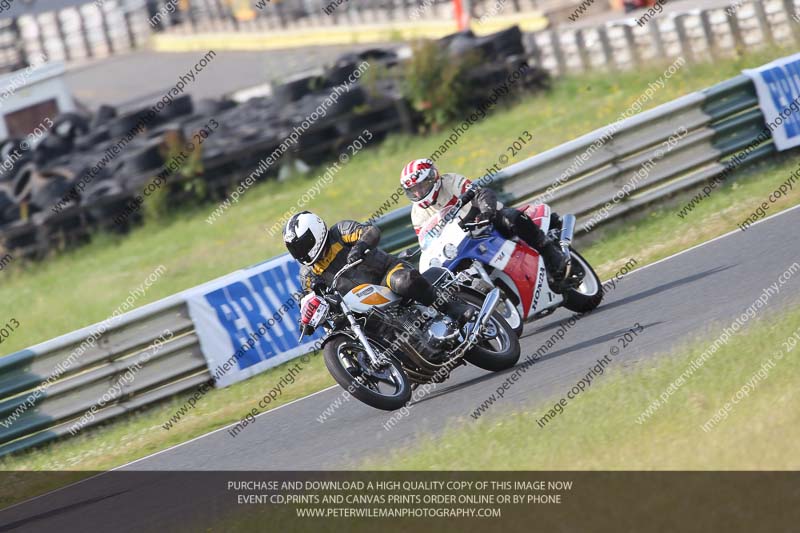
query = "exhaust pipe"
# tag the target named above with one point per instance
(567, 232)
(488, 307)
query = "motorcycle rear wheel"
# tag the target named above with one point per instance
(588, 295)
(347, 362)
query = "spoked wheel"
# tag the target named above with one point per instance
(588, 295)
(384, 388)
(499, 349)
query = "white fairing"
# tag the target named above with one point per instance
(543, 297)
(364, 297)
(503, 255)
(433, 239)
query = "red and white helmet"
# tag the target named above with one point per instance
(421, 181)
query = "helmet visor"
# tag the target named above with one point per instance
(417, 192)
(300, 247)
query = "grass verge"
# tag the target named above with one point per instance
(138, 435)
(598, 430)
(87, 284)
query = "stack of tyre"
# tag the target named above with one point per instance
(88, 167)
(504, 55)
(336, 106)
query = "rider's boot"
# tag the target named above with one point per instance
(454, 308)
(444, 301)
(555, 262)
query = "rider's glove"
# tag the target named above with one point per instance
(488, 212)
(484, 217)
(486, 200)
(356, 252)
(318, 288)
(471, 216)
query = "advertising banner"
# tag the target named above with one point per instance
(247, 320)
(778, 88)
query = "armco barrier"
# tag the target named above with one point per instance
(717, 122)
(593, 169)
(80, 373)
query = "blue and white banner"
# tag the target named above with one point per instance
(247, 320)
(778, 88)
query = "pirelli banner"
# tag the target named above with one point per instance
(778, 88)
(247, 321)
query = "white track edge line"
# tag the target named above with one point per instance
(159, 452)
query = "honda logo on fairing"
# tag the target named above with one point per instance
(538, 293)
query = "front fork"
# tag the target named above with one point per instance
(374, 358)
(481, 270)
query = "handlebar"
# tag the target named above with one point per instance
(463, 200)
(332, 289)
(408, 254)
(468, 195)
(344, 269)
(475, 225)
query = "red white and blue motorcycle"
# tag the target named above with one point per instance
(483, 259)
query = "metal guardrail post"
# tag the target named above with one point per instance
(736, 31)
(87, 45)
(558, 53)
(106, 29)
(605, 43)
(763, 22)
(708, 32)
(583, 53)
(630, 39)
(129, 29)
(683, 37)
(658, 40)
(792, 17)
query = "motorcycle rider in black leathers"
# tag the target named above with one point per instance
(323, 252)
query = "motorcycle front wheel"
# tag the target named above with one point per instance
(499, 352)
(510, 313)
(386, 388)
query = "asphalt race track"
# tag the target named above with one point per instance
(118, 80)
(694, 293)
(674, 300)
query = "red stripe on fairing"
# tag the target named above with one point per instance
(523, 268)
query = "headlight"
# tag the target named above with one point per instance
(450, 250)
(436, 262)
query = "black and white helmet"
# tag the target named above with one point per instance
(304, 236)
